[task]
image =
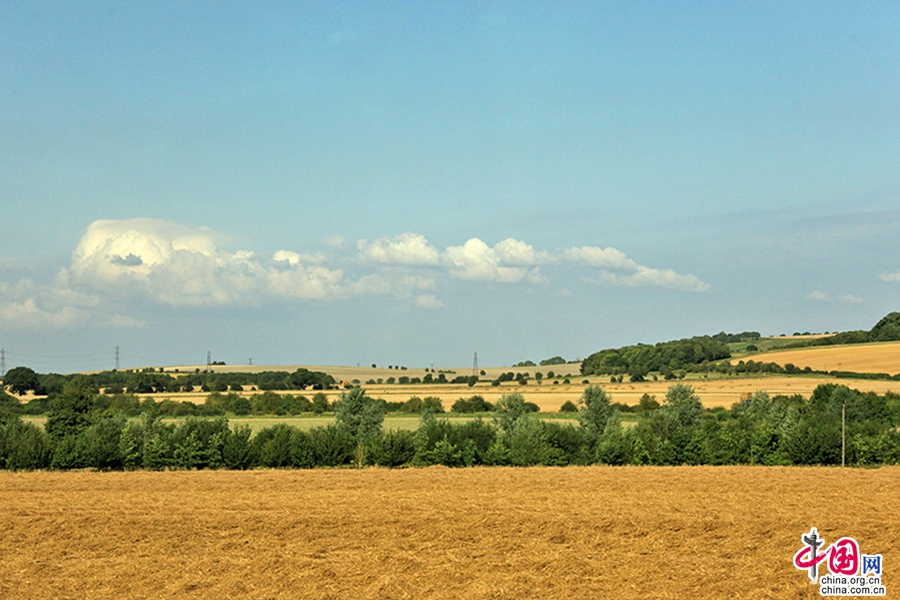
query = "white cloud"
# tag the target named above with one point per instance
(818, 296)
(850, 299)
(615, 267)
(302, 282)
(475, 260)
(647, 277)
(294, 259)
(178, 265)
(428, 301)
(28, 306)
(403, 249)
(890, 277)
(118, 262)
(29, 316)
(604, 258)
(515, 252)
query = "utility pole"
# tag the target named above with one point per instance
(117, 358)
(475, 365)
(208, 361)
(2, 362)
(251, 361)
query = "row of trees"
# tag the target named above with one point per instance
(886, 330)
(21, 380)
(665, 357)
(221, 404)
(764, 430)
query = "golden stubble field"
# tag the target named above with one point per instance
(575, 532)
(861, 358)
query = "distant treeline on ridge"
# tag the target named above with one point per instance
(667, 358)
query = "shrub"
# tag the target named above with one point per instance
(24, 446)
(392, 448)
(237, 449)
(332, 446)
(273, 446)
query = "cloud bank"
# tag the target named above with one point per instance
(121, 263)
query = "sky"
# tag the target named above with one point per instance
(411, 183)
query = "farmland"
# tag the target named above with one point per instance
(714, 391)
(576, 532)
(861, 358)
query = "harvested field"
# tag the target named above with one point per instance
(713, 392)
(860, 358)
(363, 373)
(591, 532)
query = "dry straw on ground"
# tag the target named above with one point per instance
(595, 532)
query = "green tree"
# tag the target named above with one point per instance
(594, 410)
(358, 415)
(683, 405)
(509, 409)
(20, 380)
(70, 413)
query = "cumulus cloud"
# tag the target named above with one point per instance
(818, 296)
(28, 315)
(428, 301)
(645, 276)
(179, 265)
(890, 277)
(118, 262)
(403, 249)
(28, 306)
(516, 252)
(604, 258)
(294, 259)
(475, 260)
(615, 267)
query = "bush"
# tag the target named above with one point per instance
(528, 445)
(237, 451)
(273, 446)
(332, 447)
(473, 404)
(392, 448)
(24, 446)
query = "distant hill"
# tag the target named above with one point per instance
(665, 357)
(886, 330)
(668, 357)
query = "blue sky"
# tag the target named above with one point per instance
(409, 183)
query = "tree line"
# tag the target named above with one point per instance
(780, 430)
(886, 330)
(666, 358)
